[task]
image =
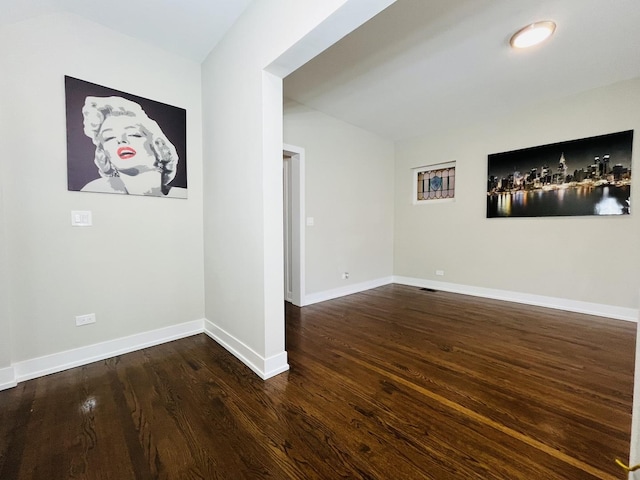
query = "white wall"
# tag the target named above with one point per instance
(582, 259)
(242, 129)
(349, 193)
(5, 325)
(139, 268)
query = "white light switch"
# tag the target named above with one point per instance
(310, 222)
(81, 218)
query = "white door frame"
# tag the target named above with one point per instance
(297, 240)
(287, 237)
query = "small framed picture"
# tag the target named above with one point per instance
(434, 183)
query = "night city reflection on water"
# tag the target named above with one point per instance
(578, 200)
(588, 176)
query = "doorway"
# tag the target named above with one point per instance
(293, 224)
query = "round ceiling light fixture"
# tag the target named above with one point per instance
(532, 34)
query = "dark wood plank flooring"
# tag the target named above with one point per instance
(393, 383)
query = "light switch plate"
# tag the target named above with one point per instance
(81, 218)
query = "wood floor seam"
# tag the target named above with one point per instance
(487, 421)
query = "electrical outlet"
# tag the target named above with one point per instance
(85, 319)
(440, 273)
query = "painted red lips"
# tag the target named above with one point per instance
(126, 153)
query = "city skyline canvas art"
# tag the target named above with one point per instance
(588, 176)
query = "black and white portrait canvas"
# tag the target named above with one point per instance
(124, 144)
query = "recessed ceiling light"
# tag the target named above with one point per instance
(532, 34)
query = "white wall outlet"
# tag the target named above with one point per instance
(440, 273)
(311, 221)
(345, 276)
(85, 319)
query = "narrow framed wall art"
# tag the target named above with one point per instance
(589, 176)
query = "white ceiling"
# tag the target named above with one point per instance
(190, 28)
(419, 66)
(430, 65)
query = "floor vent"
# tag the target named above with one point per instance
(428, 290)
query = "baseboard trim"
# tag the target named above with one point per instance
(38, 367)
(344, 291)
(270, 366)
(7, 378)
(57, 362)
(263, 367)
(600, 310)
(275, 365)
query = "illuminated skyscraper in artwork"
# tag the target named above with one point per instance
(562, 169)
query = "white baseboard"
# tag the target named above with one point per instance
(38, 367)
(268, 367)
(263, 367)
(57, 362)
(600, 310)
(7, 378)
(344, 291)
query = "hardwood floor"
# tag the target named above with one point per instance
(393, 383)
